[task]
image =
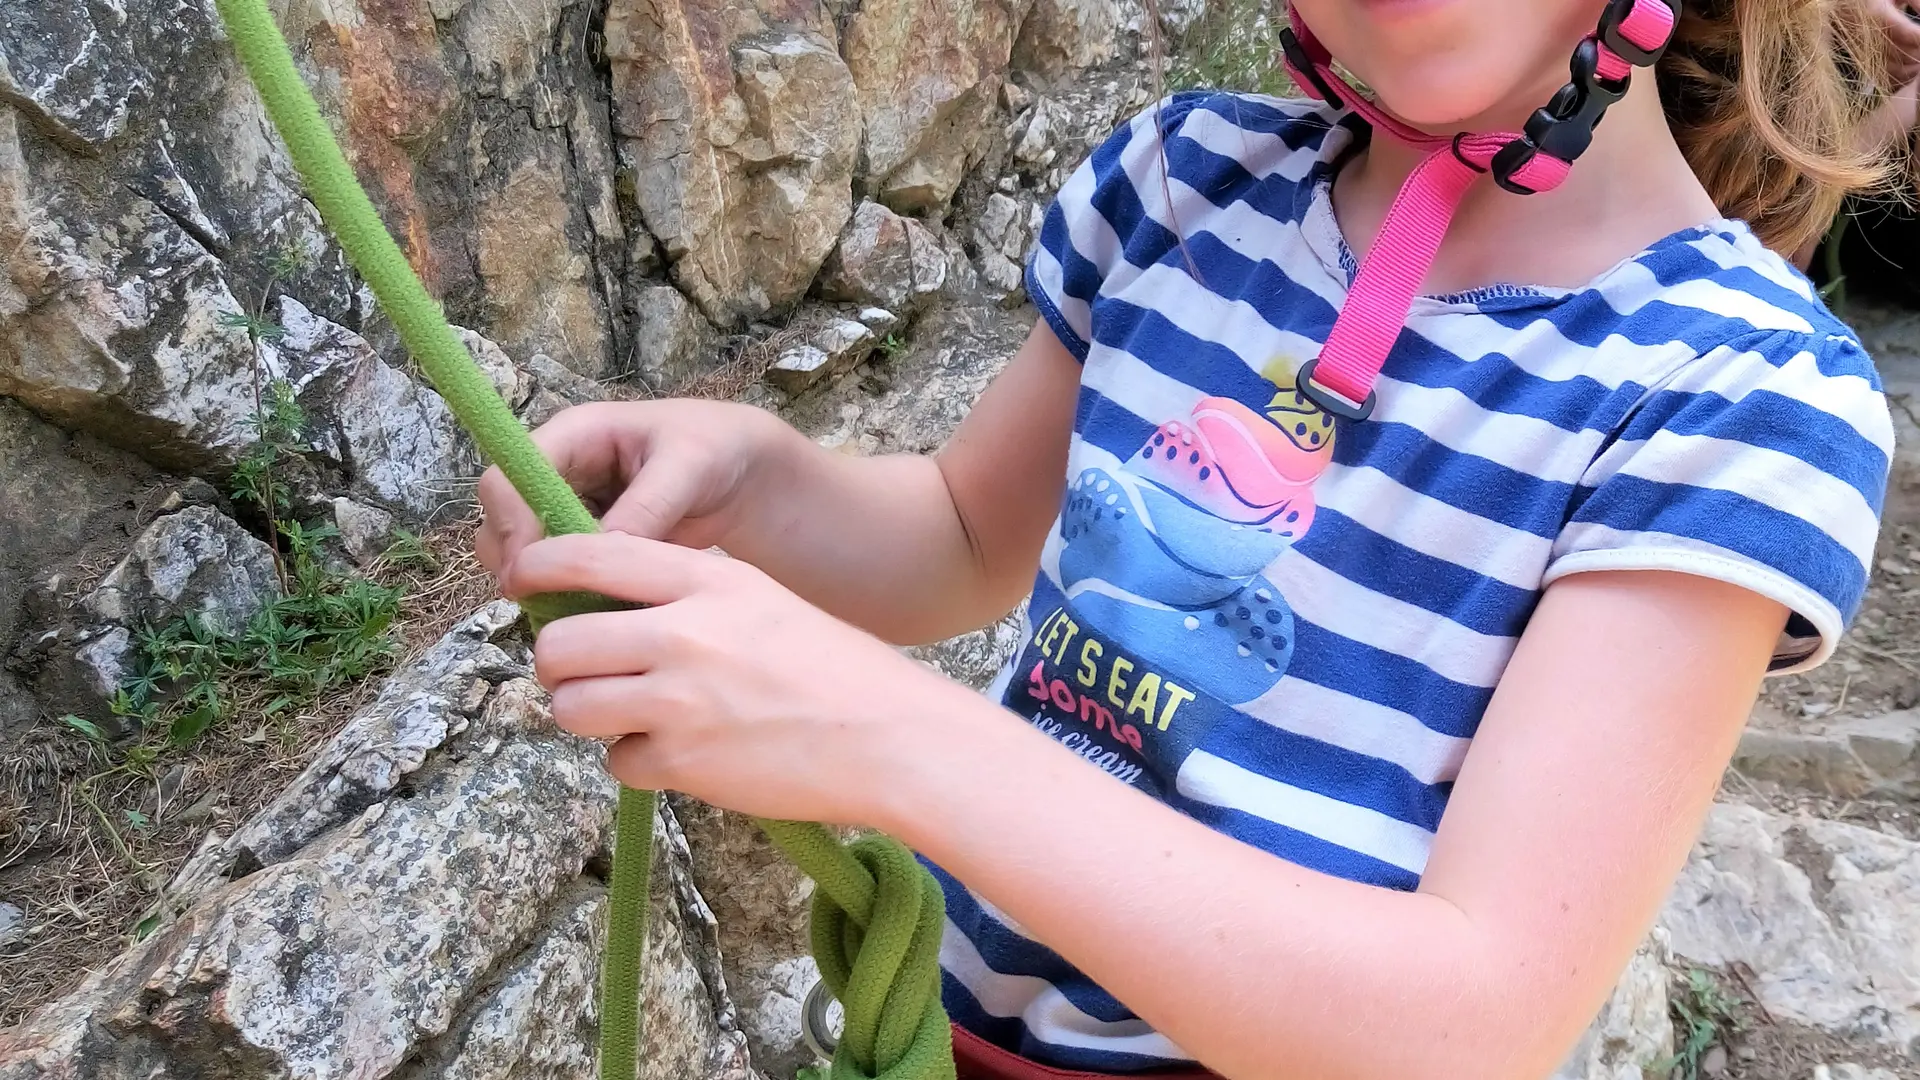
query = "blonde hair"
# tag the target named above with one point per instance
(1768, 99)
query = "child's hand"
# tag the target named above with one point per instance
(731, 689)
(666, 470)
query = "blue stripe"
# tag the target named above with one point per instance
(1474, 484)
(1786, 542)
(1771, 421)
(1056, 320)
(1300, 849)
(1327, 659)
(1311, 765)
(1010, 953)
(1364, 557)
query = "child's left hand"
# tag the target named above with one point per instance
(730, 688)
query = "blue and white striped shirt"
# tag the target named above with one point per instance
(1289, 628)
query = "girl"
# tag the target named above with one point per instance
(1361, 723)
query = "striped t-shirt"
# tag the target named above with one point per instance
(1289, 626)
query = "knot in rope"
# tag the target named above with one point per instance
(876, 924)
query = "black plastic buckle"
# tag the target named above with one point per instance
(1302, 64)
(1564, 128)
(1337, 404)
(1616, 14)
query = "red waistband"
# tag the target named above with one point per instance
(979, 1059)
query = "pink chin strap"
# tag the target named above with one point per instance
(1632, 33)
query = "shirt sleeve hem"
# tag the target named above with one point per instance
(1773, 585)
(1056, 320)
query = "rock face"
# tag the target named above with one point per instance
(929, 74)
(1854, 758)
(197, 562)
(1820, 910)
(284, 955)
(885, 260)
(391, 435)
(1065, 35)
(1633, 1029)
(741, 125)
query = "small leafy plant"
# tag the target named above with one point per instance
(1704, 1014)
(1234, 46)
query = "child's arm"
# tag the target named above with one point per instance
(912, 548)
(1586, 782)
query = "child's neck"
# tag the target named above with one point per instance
(1631, 188)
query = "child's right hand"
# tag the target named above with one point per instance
(664, 470)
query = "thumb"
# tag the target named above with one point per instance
(657, 500)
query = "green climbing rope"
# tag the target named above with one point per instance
(877, 914)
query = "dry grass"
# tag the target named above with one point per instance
(742, 371)
(87, 843)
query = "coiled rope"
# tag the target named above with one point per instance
(877, 914)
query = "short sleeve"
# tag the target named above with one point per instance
(1763, 464)
(1099, 220)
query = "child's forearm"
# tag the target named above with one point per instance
(1254, 965)
(917, 549)
(875, 541)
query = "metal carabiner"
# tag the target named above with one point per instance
(814, 1022)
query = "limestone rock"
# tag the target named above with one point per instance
(12, 923)
(1063, 35)
(742, 128)
(1822, 911)
(420, 904)
(365, 531)
(885, 260)
(672, 341)
(555, 389)
(1633, 1030)
(834, 349)
(197, 562)
(512, 384)
(389, 433)
(929, 74)
(1854, 758)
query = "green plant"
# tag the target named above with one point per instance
(1234, 46)
(1704, 1014)
(278, 428)
(893, 345)
(408, 549)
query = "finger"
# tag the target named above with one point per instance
(658, 498)
(606, 708)
(613, 564)
(507, 523)
(637, 761)
(598, 644)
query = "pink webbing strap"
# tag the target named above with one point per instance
(1341, 379)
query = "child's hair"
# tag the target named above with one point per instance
(1767, 99)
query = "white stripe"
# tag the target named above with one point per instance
(1850, 398)
(1051, 279)
(1427, 525)
(1769, 477)
(1748, 254)
(1353, 611)
(1218, 782)
(1046, 1012)
(1632, 285)
(1541, 350)
(1361, 726)
(1259, 152)
(1232, 323)
(1522, 443)
(1147, 393)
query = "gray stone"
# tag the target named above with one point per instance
(13, 923)
(835, 349)
(672, 341)
(1633, 1030)
(1852, 758)
(884, 260)
(1851, 1072)
(1822, 912)
(512, 384)
(418, 905)
(392, 435)
(365, 531)
(198, 563)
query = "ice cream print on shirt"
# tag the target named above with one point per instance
(1164, 620)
